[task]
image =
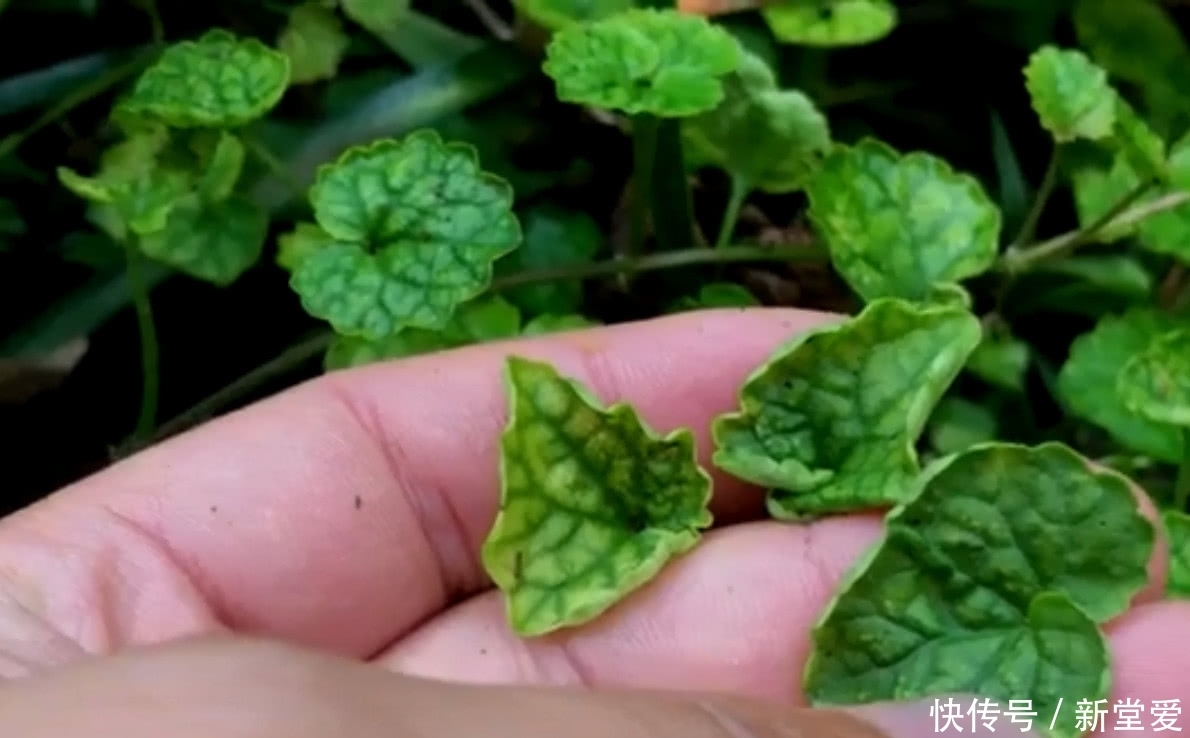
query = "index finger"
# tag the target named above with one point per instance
(341, 513)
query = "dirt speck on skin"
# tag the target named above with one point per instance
(359, 502)
(214, 508)
(483, 652)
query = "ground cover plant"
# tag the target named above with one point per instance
(342, 182)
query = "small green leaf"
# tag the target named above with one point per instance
(767, 138)
(899, 224)
(376, 15)
(1001, 361)
(215, 242)
(488, 318)
(216, 81)
(223, 169)
(549, 323)
(554, 239)
(1070, 94)
(593, 502)
(1133, 139)
(296, 245)
(1140, 43)
(314, 42)
(1177, 532)
(419, 225)
(717, 295)
(991, 581)
(1155, 383)
(133, 189)
(1087, 381)
(643, 60)
(1097, 188)
(831, 419)
(830, 22)
(559, 14)
(957, 424)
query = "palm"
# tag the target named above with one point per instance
(347, 515)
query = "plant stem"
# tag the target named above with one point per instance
(1044, 190)
(669, 198)
(302, 352)
(488, 17)
(292, 357)
(273, 163)
(735, 201)
(150, 378)
(1120, 215)
(661, 260)
(644, 152)
(1181, 489)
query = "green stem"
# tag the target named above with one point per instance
(1181, 489)
(739, 192)
(644, 153)
(1121, 214)
(662, 260)
(273, 163)
(302, 352)
(285, 362)
(150, 377)
(669, 198)
(1040, 200)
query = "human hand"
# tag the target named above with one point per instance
(345, 516)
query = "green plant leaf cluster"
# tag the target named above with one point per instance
(993, 579)
(169, 188)
(1011, 333)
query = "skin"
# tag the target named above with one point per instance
(310, 564)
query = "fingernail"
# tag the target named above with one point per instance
(955, 714)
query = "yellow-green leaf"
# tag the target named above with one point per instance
(830, 22)
(593, 502)
(1070, 94)
(900, 225)
(830, 421)
(314, 41)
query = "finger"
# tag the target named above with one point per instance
(1150, 650)
(342, 512)
(734, 615)
(266, 690)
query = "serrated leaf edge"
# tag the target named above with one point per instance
(744, 408)
(384, 145)
(505, 580)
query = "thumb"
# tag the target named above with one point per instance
(238, 688)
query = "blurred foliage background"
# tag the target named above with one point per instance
(947, 80)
